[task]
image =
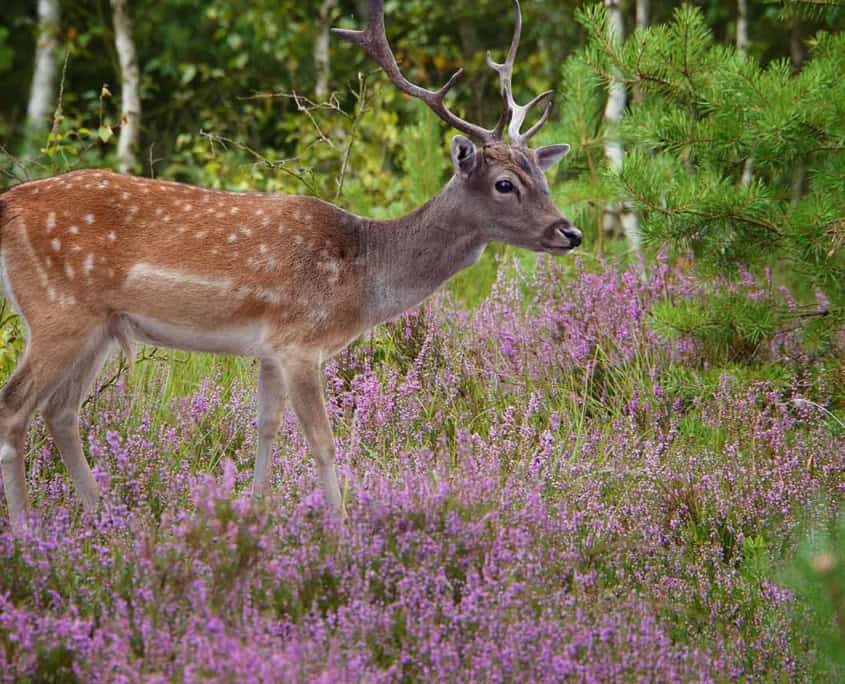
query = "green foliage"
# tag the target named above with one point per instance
(706, 116)
(817, 575)
(730, 326)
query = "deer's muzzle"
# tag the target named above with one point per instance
(561, 235)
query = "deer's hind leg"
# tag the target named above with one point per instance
(271, 408)
(50, 360)
(61, 414)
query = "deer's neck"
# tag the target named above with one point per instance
(410, 257)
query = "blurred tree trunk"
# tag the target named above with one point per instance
(322, 66)
(130, 115)
(742, 48)
(617, 219)
(797, 53)
(742, 26)
(643, 7)
(42, 96)
(642, 14)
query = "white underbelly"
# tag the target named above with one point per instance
(247, 340)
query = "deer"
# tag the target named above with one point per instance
(94, 261)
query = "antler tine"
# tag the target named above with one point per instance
(373, 39)
(505, 71)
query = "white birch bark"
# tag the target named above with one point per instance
(643, 10)
(42, 95)
(127, 144)
(742, 26)
(742, 48)
(617, 217)
(321, 51)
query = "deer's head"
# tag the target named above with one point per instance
(502, 182)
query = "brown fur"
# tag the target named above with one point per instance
(92, 258)
(266, 247)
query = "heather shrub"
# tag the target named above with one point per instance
(528, 501)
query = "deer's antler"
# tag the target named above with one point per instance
(374, 41)
(505, 71)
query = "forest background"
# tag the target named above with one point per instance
(708, 142)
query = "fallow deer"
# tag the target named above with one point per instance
(92, 259)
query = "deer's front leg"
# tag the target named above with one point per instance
(305, 386)
(271, 407)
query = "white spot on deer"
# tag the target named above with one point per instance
(76, 248)
(56, 243)
(8, 453)
(51, 294)
(234, 210)
(232, 237)
(331, 266)
(159, 211)
(49, 262)
(124, 196)
(89, 218)
(103, 184)
(259, 211)
(298, 239)
(51, 220)
(111, 273)
(268, 297)
(73, 230)
(214, 250)
(246, 231)
(69, 272)
(112, 236)
(219, 214)
(133, 210)
(200, 234)
(270, 264)
(187, 207)
(317, 316)
(88, 264)
(166, 218)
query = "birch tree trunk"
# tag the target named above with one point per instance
(130, 115)
(321, 51)
(742, 48)
(42, 96)
(617, 218)
(742, 26)
(642, 10)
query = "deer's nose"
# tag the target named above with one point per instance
(572, 234)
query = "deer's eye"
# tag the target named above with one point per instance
(504, 186)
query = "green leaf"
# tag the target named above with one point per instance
(189, 71)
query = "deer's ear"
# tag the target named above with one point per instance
(550, 155)
(463, 155)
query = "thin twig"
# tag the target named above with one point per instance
(58, 115)
(280, 164)
(360, 109)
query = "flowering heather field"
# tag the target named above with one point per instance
(538, 489)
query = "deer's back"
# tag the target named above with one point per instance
(103, 244)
